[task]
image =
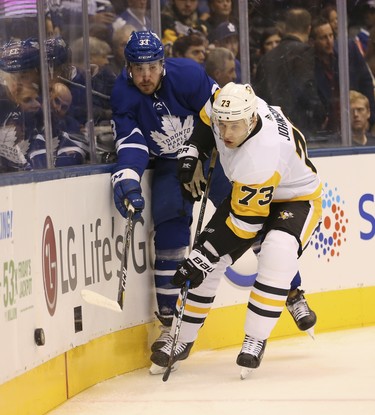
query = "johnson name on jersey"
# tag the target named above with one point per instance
(272, 165)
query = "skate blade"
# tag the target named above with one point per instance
(311, 332)
(245, 371)
(159, 370)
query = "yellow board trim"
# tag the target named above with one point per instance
(52, 383)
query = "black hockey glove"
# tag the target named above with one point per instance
(194, 190)
(187, 162)
(196, 267)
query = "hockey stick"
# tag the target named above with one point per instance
(99, 94)
(125, 257)
(185, 288)
(100, 300)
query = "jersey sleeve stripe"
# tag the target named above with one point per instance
(133, 131)
(132, 145)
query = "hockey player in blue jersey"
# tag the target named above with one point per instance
(156, 105)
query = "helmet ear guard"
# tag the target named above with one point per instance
(236, 102)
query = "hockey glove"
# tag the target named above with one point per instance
(187, 163)
(127, 191)
(195, 268)
(198, 184)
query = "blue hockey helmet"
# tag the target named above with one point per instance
(57, 50)
(144, 46)
(19, 55)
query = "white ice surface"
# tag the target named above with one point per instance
(331, 375)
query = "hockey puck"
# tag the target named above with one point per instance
(39, 337)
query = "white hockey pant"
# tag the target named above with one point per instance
(199, 302)
(277, 265)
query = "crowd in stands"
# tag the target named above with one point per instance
(293, 57)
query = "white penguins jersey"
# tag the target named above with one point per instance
(272, 165)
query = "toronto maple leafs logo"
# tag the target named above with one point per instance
(9, 149)
(175, 133)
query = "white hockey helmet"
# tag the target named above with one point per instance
(236, 102)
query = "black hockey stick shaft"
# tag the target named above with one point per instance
(69, 82)
(125, 256)
(185, 288)
(205, 196)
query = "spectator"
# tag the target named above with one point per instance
(19, 62)
(359, 116)
(67, 18)
(327, 73)
(190, 46)
(101, 22)
(269, 38)
(370, 55)
(220, 65)
(203, 10)
(119, 41)
(220, 11)
(285, 75)
(61, 100)
(329, 12)
(226, 35)
(19, 20)
(102, 78)
(367, 10)
(22, 140)
(179, 18)
(99, 52)
(104, 14)
(17, 125)
(136, 14)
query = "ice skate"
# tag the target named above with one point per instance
(159, 370)
(304, 317)
(161, 356)
(250, 355)
(165, 328)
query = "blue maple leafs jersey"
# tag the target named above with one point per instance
(157, 125)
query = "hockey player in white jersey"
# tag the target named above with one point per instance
(156, 105)
(276, 192)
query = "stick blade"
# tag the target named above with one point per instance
(100, 300)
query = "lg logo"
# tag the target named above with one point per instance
(49, 265)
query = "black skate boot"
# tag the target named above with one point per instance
(161, 356)
(251, 355)
(304, 317)
(165, 328)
